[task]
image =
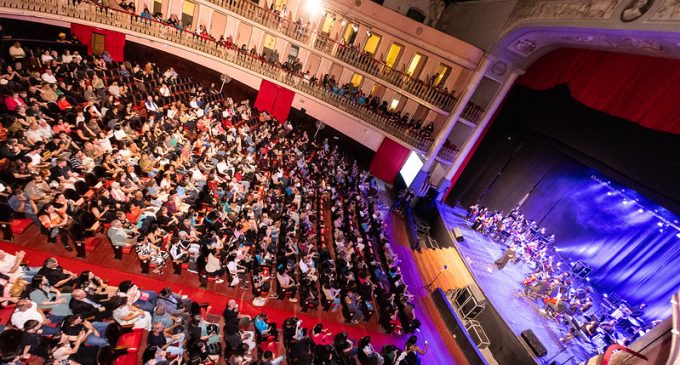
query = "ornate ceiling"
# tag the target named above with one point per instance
(649, 27)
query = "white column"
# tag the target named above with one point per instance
(453, 117)
(483, 123)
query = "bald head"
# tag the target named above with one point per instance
(78, 294)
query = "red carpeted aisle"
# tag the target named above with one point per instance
(217, 301)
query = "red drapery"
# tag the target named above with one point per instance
(389, 159)
(114, 41)
(274, 99)
(641, 89)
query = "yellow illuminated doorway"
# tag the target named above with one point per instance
(350, 33)
(416, 65)
(188, 8)
(279, 4)
(372, 43)
(441, 74)
(269, 44)
(394, 104)
(356, 80)
(393, 54)
(327, 24)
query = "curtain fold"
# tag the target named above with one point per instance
(274, 99)
(641, 89)
(266, 96)
(388, 160)
(284, 100)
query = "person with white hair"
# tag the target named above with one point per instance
(120, 237)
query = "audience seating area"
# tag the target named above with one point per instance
(153, 163)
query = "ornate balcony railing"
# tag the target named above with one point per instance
(379, 69)
(301, 32)
(273, 20)
(448, 153)
(131, 22)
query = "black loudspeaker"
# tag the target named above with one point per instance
(477, 333)
(458, 234)
(431, 196)
(534, 343)
(470, 302)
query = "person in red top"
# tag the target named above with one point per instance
(63, 104)
(55, 223)
(13, 101)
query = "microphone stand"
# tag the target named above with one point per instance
(436, 277)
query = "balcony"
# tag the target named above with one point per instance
(300, 32)
(124, 20)
(379, 69)
(295, 30)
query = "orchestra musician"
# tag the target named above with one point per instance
(564, 300)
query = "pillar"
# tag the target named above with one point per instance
(477, 132)
(451, 121)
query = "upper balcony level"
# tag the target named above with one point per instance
(150, 29)
(348, 31)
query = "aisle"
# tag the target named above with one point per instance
(443, 348)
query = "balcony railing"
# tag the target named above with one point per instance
(365, 62)
(273, 20)
(124, 20)
(301, 32)
(448, 153)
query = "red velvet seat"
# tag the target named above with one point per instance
(131, 340)
(91, 243)
(19, 225)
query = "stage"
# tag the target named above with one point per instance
(503, 290)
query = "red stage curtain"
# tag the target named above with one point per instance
(114, 41)
(284, 100)
(641, 89)
(389, 159)
(275, 99)
(266, 96)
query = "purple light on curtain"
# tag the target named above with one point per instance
(624, 237)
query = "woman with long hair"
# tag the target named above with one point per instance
(47, 297)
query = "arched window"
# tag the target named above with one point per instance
(416, 15)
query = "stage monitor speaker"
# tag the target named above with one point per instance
(474, 328)
(534, 343)
(469, 302)
(458, 234)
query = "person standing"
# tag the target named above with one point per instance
(507, 256)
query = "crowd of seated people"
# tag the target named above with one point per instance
(403, 122)
(558, 287)
(186, 178)
(66, 318)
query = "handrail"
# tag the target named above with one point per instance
(151, 27)
(377, 68)
(301, 32)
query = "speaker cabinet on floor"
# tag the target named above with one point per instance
(469, 302)
(534, 343)
(477, 333)
(458, 234)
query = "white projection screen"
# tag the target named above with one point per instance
(411, 167)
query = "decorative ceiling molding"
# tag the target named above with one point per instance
(648, 27)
